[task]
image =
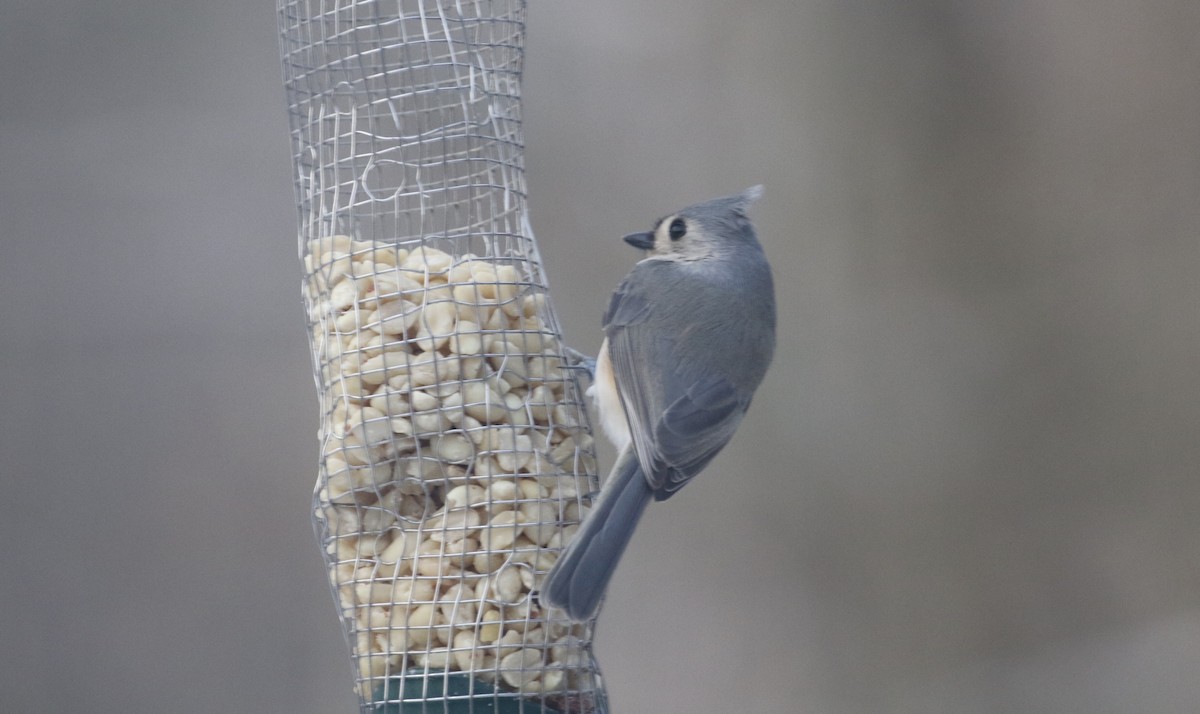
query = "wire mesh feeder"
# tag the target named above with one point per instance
(456, 458)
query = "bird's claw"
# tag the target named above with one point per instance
(578, 359)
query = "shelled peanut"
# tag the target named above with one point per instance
(453, 467)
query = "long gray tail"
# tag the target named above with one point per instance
(579, 578)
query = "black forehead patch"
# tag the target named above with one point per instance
(663, 220)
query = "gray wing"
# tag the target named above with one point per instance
(680, 414)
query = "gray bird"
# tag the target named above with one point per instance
(689, 334)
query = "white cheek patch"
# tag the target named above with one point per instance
(661, 245)
(662, 241)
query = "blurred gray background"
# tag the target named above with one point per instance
(969, 485)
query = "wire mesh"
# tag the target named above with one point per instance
(455, 454)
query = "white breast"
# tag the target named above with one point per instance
(608, 403)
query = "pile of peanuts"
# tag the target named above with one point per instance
(454, 465)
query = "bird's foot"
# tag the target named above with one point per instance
(575, 358)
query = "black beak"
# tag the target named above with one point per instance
(645, 241)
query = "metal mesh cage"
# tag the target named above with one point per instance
(456, 458)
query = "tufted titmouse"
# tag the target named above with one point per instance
(689, 334)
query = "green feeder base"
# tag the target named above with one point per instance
(441, 692)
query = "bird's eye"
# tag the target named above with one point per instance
(678, 229)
